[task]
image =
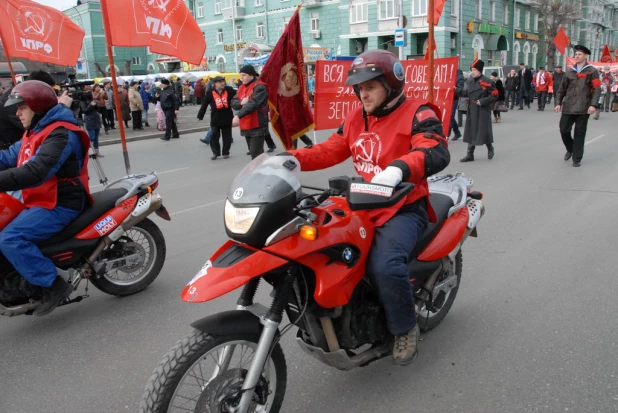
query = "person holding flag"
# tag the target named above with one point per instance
(390, 139)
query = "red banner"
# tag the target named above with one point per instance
(570, 61)
(283, 74)
(561, 41)
(39, 33)
(334, 100)
(166, 26)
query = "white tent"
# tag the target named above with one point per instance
(193, 76)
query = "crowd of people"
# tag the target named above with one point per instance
(580, 92)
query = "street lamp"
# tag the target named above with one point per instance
(234, 34)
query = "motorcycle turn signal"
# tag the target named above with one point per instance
(308, 232)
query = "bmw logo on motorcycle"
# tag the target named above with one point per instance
(347, 255)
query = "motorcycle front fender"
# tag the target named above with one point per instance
(229, 323)
(232, 266)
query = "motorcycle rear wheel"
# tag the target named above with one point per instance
(428, 321)
(145, 238)
(216, 392)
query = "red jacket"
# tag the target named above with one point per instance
(542, 81)
(377, 142)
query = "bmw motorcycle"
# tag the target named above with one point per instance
(312, 250)
(112, 244)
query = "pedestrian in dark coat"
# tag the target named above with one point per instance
(500, 88)
(92, 121)
(577, 99)
(481, 94)
(125, 109)
(220, 101)
(454, 125)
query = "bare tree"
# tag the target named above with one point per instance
(553, 14)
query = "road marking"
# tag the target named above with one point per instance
(158, 173)
(197, 207)
(598, 137)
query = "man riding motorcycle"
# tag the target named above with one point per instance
(48, 168)
(391, 139)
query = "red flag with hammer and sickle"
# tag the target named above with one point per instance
(39, 33)
(165, 26)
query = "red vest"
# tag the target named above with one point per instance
(250, 121)
(46, 194)
(220, 99)
(387, 139)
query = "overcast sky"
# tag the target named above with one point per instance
(58, 4)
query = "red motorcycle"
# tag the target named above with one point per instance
(111, 243)
(312, 250)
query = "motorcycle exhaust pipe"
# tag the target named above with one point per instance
(18, 309)
(429, 284)
(139, 215)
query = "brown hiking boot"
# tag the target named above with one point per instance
(405, 347)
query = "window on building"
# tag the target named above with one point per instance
(239, 32)
(217, 6)
(286, 21)
(113, 51)
(388, 9)
(478, 9)
(137, 60)
(517, 18)
(536, 23)
(219, 36)
(315, 22)
(148, 52)
(505, 14)
(259, 2)
(259, 30)
(200, 9)
(227, 4)
(419, 8)
(358, 13)
(492, 11)
(527, 26)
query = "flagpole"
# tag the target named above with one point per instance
(112, 68)
(8, 59)
(430, 44)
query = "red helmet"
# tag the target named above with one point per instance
(380, 65)
(39, 96)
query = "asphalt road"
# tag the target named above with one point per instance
(533, 328)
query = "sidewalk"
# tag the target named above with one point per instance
(187, 123)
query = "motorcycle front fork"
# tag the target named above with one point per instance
(270, 321)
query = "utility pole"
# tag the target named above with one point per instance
(234, 35)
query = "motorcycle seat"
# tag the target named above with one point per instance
(440, 204)
(103, 202)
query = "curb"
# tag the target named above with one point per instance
(115, 141)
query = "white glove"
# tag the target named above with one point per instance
(391, 176)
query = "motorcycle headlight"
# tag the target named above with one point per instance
(239, 220)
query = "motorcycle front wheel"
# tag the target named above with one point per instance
(205, 374)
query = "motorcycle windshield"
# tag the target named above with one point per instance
(266, 179)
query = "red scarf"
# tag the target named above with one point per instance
(220, 100)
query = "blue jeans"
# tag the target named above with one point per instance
(145, 115)
(387, 266)
(94, 137)
(17, 242)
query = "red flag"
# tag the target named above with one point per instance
(166, 26)
(438, 7)
(284, 76)
(39, 33)
(561, 41)
(606, 57)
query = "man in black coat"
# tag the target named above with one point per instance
(511, 89)
(525, 82)
(219, 99)
(482, 94)
(557, 77)
(454, 125)
(170, 104)
(11, 129)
